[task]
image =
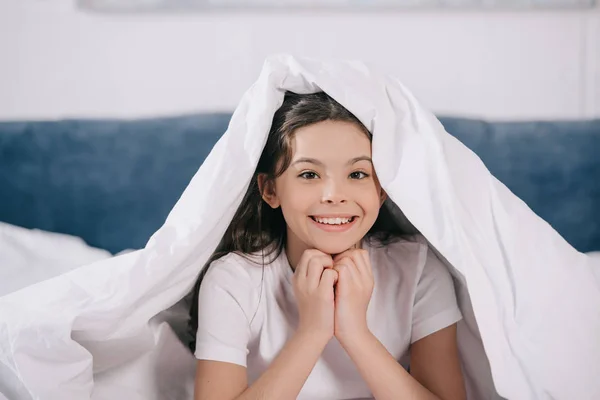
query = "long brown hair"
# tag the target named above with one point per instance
(256, 227)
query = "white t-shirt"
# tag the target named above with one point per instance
(246, 314)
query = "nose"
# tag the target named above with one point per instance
(333, 193)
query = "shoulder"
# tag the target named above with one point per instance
(401, 253)
(233, 267)
(411, 257)
(237, 275)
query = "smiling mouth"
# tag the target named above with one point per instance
(333, 221)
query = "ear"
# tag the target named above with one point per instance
(266, 187)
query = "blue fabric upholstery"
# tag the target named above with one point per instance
(113, 182)
(554, 167)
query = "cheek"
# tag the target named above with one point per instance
(370, 195)
(373, 206)
(297, 202)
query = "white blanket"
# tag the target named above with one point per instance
(529, 299)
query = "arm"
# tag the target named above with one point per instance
(282, 380)
(223, 335)
(385, 377)
(435, 363)
(434, 356)
(435, 367)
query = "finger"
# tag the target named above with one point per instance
(342, 255)
(316, 266)
(347, 253)
(328, 279)
(301, 268)
(334, 272)
(361, 259)
(349, 267)
(315, 269)
(345, 281)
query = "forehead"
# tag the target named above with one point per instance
(328, 140)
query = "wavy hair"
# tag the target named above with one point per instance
(256, 227)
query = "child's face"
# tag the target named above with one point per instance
(329, 195)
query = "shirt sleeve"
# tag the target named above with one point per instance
(435, 306)
(224, 302)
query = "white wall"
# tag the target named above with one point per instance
(58, 62)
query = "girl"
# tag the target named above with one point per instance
(314, 292)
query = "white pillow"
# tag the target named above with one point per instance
(28, 256)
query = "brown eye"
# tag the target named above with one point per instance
(308, 175)
(358, 175)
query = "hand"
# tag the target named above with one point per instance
(313, 283)
(353, 293)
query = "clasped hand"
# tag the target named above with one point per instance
(333, 294)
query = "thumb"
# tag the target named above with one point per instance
(328, 278)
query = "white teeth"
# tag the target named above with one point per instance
(332, 221)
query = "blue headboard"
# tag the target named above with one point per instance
(113, 182)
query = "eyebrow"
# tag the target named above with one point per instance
(320, 163)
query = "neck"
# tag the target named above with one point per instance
(294, 248)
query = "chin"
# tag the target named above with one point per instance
(335, 248)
